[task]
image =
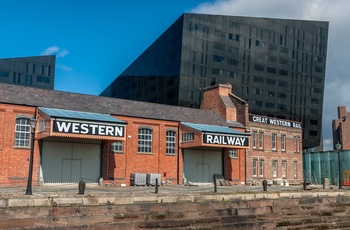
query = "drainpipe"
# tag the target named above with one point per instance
(107, 174)
(245, 170)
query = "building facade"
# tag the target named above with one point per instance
(36, 71)
(275, 151)
(116, 141)
(276, 65)
(341, 129)
(110, 140)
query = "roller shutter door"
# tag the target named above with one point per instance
(200, 165)
(64, 162)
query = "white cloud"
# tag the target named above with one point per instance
(50, 50)
(63, 67)
(55, 50)
(63, 53)
(336, 12)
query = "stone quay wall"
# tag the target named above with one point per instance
(297, 210)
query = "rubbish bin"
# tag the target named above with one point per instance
(264, 183)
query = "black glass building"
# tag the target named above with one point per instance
(277, 65)
(35, 71)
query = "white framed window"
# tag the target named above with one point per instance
(41, 126)
(117, 146)
(170, 142)
(296, 144)
(274, 136)
(254, 139)
(261, 139)
(187, 137)
(233, 153)
(274, 168)
(261, 167)
(22, 132)
(145, 140)
(295, 169)
(255, 166)
(283, 142)
(284, 168)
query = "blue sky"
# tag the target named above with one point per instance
(96, 40)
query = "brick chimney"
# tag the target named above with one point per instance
(219, 99)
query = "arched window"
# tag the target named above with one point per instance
(145, 140)
(170, 142)
(22, 132)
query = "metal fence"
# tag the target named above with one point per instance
(320, 165)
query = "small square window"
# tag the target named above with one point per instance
(233, 153)
(117, 146)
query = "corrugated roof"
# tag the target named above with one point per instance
(22, 95)
(213, 129)
(62, 113)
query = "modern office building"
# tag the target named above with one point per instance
(276, 65)
(36, 71)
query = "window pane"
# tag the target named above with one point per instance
(117, 146)
(22, 132)
(145, 140)
(170, 142)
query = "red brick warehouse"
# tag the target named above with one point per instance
(109, 141)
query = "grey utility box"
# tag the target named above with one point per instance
(151, 178)
(137, 179)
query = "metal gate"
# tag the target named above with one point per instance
(201, 165)
(66, 163)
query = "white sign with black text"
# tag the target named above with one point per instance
(231, 140)
(275, 121)
(77, 127)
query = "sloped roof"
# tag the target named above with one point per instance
(88, 116)
(21, 95)
(213, 128)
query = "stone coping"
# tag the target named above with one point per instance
(57, 201)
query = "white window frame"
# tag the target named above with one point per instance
(233, 153)
(170, 142)
(284, 168)
(261, 167)
(22, 132)
(117, 146)
(255, 167)
(295, 168)
(261, 140)
(297, 144)
(188, 137)
(283, 142)
(274, 167)
(254, 139)
(144, 140)
(274, 136)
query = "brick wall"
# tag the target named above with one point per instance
(121, 165)
(15, 160)
(236, 110)
(341, 129)
(269, 154)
